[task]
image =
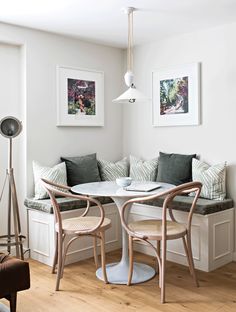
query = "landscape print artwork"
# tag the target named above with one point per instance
(81, 97)
(174, 98)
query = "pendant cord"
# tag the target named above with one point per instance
(130, 42)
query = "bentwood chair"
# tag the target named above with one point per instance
(83, 225)
(162, 230)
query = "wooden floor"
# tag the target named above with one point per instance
(82, 291)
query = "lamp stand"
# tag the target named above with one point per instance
(14, 239)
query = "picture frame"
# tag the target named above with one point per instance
(80, 97)
(176, 96)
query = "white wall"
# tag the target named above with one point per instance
(39, 54)
(215, 49)
(214, 139)
(10, 104)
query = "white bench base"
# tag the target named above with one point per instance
(212, 237)
(41, 235)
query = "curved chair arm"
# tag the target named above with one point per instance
(59, 186)
(54, 189)
(184, 189)
(170, 195)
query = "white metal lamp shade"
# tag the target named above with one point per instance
(130, 96)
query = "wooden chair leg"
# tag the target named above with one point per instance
(55, 259)
(103, 259)
(187, 255)
(191, 263)
(163, 266)
(95, 251)
(131, 260)
(64, 253)
(59, 265)
(159, 254)
(12, 300)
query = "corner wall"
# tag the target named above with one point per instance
(40, 53)
(213, 140)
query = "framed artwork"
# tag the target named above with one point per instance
(176, 96)
(80, 97)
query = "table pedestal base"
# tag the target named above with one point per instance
(117, 273)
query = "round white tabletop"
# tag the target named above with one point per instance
(117, 273)
(111, 189)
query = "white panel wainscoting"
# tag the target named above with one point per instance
(212, 237)
(41, 236)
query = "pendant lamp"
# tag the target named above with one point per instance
(132, 94)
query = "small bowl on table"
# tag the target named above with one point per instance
(124, 181)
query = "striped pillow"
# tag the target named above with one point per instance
(213, 179)
(109, 171)
(55, 174)
(143, 170)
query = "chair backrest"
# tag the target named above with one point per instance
(55, 189)
(169, 194)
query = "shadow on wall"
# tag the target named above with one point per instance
(230, 181)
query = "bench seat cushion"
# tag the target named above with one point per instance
(182, 203)
(65, 204)
(203, 206)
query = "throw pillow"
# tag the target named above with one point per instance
(175, 168)
(111, 170)
(143, 170)
(213, 179)
(55, 174)
(81, 169)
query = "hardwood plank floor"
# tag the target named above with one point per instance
(82, 291)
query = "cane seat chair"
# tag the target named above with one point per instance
(162, 230)
(83, 225)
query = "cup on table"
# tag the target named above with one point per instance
(124, 181)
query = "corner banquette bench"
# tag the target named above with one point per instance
(212, 231)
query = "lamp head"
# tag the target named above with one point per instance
(10, 127)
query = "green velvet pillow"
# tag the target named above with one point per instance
(81, 169)
(175, 168)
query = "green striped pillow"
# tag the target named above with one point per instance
(109, 171)
(213, 179)
(143, 170)
(55, 174)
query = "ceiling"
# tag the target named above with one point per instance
(103, 21)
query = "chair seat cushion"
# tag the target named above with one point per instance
(83, 224)
(153, 228)
(14, 275)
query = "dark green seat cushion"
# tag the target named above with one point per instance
(203, 206)
(182, 203)
(65, 204)
(175, 168)
(81, 169)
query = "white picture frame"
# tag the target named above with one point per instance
(80, 97)
(176, 96)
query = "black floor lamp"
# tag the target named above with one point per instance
(10, 127)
